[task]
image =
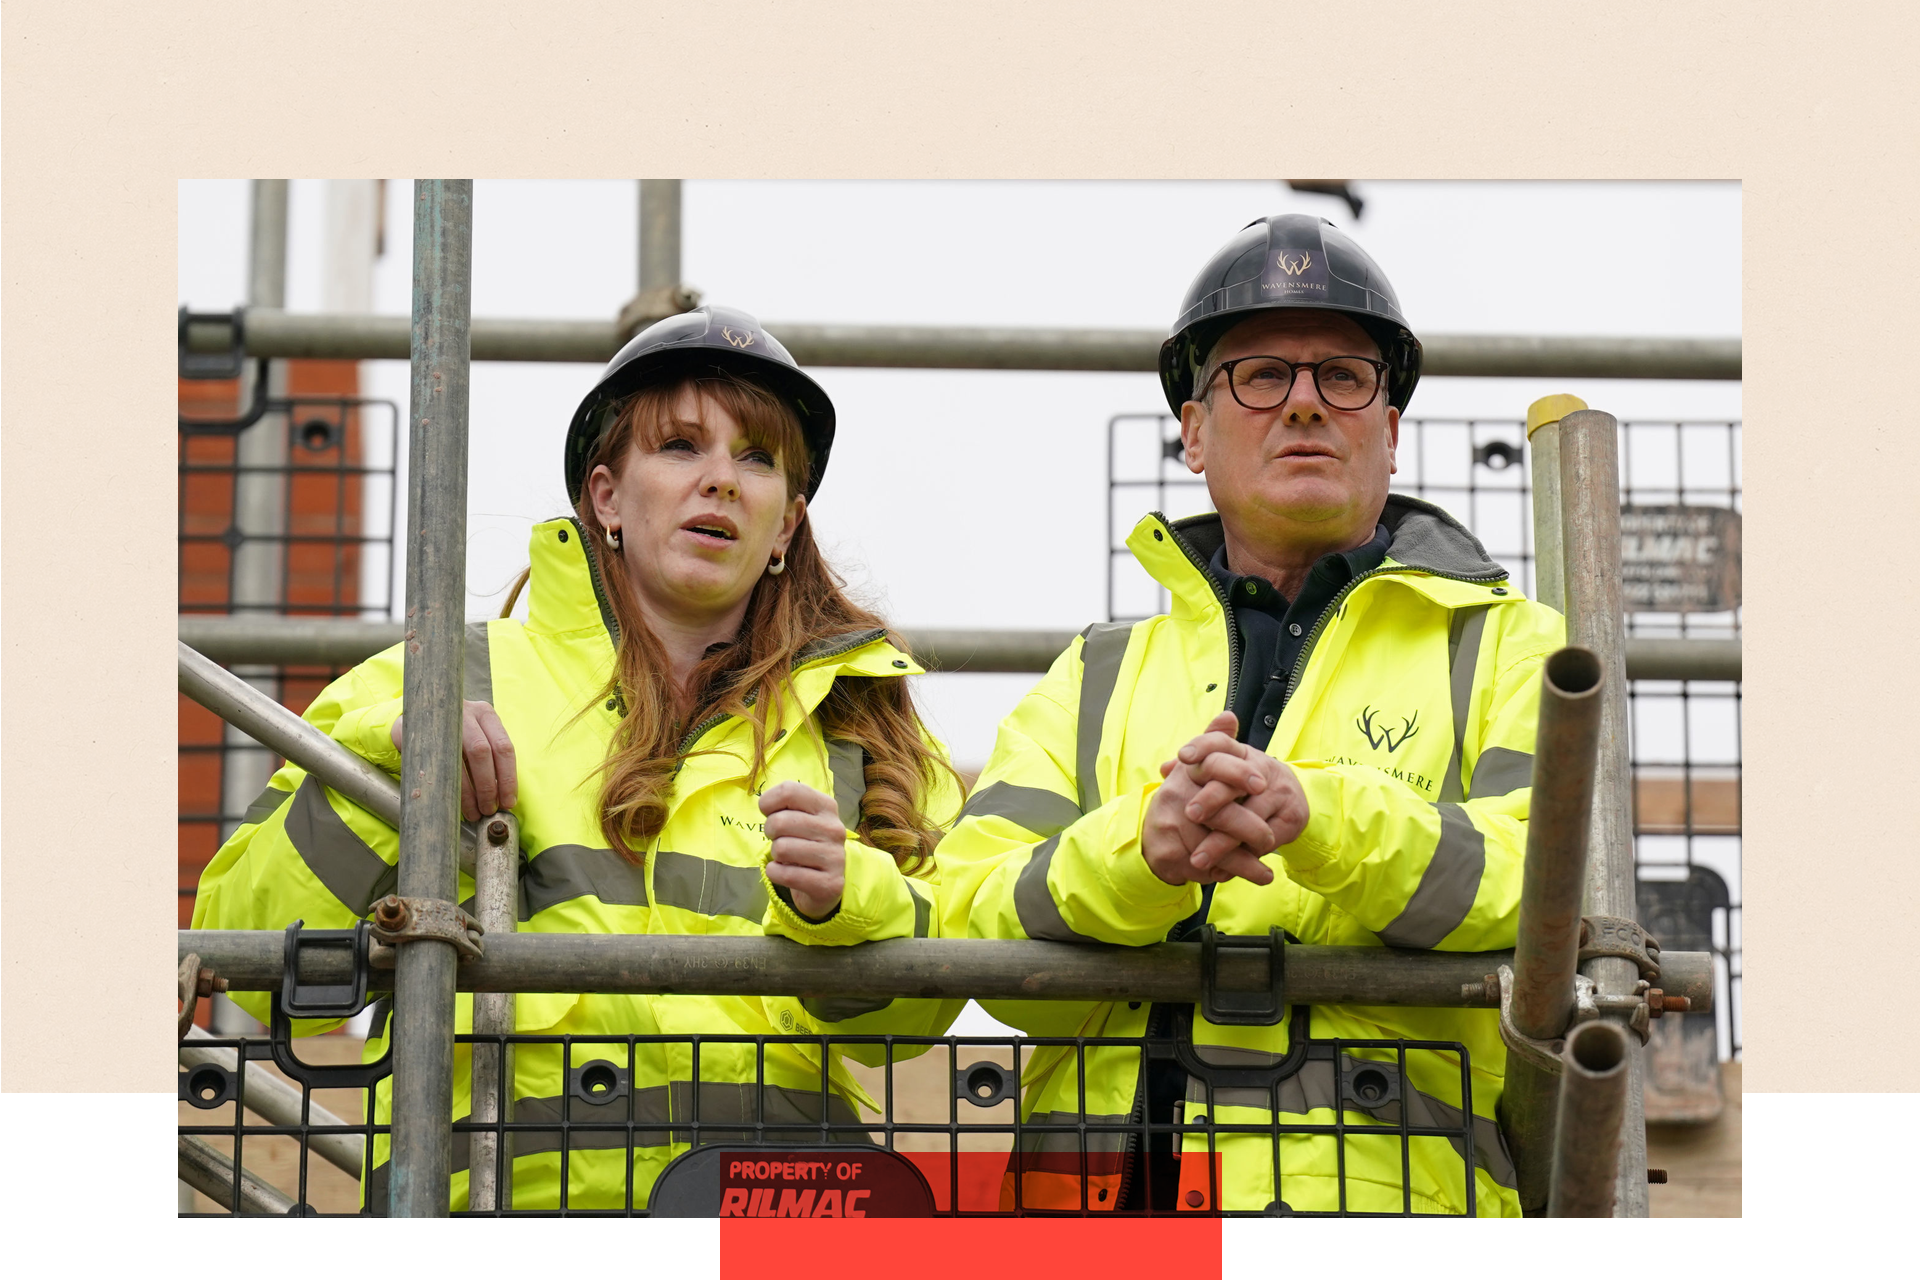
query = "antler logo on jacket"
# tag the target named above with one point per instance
(1382, 736)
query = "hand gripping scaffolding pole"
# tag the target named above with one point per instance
(422, 1155)
(272, 725)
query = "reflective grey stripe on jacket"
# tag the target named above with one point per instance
(707, 886)
(1315, 1088)
(265, 805)
(562, 872)
(1103, 648)
(1035, 809)
(1033, 900)
(477, 668)
(847, 763)
(1501, 771)
(1464, 632)
(1451, 882)
(1101, 654)
(334, 852)
(1105, 1135)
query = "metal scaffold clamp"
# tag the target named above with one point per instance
(398, 920)
(196, 981)
(1543, 1054)
(1624, 939)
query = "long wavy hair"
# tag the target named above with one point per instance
(786, 613)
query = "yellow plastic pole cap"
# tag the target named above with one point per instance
(1550, 409)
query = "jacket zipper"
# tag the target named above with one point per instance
(607, 619)
(1333, 607)
(1233, 682)
(848, 645)
(1132, 1155)
(1226, 607)
(1313, 637)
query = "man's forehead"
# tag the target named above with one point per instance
(1329, 328)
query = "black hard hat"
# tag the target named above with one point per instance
(1295, 261)
(706, 340)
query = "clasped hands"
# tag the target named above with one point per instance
(1223, 806)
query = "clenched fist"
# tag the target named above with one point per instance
(809, 847)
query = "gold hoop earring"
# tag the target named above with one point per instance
(778, 566)
(613, 540)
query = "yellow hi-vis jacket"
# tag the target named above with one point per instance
(1416, 840)
(305, 852)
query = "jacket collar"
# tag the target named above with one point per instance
(565, 597)
(1422, 538)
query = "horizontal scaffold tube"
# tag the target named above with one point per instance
(333, 642)
(279, 1103)
(287, 335)
(273, 726)
(926, 968)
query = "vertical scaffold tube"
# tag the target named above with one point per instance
(1596, 620)
(1593, 1103)
(496, 892)
(1543, 449)
(430, 766)
(659, 233)
(1548, 949)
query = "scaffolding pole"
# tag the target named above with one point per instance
(267, 722)
(1553, 884)
(659, 234)
(1594, 1095)
(279, 1103)
(334, 642)
(919, 968)
(430, 749)
(211, 1172)
(496, 893)
(283, 334)
(1588, 445)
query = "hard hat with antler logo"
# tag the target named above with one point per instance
(704, 340)
(1288, 261)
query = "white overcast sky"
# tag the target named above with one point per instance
(964, 499)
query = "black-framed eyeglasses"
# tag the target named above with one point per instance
(1265, 382)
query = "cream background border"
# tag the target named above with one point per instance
(104, 107)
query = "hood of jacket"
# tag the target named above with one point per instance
(1422, 539)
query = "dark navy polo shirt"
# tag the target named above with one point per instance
(1274, 630)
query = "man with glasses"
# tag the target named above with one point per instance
(1328, 737)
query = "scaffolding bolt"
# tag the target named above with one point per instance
(496, 830)
(390, 913)
(1659, 1002)
(1657, 1175)
(207, 983)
